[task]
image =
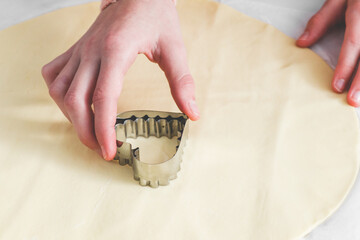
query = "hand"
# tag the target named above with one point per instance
(334, 12)
(92, 70)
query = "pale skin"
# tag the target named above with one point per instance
(91, 72)
(332, 13)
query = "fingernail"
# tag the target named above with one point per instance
(356, 96)
(304, 36)
(103, 152)
(340, 84)
(194, 109)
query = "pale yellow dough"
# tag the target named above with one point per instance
(274, 154)
(155, 150)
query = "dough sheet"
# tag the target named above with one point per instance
(274, 153)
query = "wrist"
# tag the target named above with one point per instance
(105, 3)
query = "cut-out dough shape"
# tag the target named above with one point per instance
(274, 154)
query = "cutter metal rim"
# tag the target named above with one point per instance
(150, 123)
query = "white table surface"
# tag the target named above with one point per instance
(290, 17)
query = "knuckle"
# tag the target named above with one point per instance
(110, 42)
(110, 39)
(46, 71)
(89, 44)
(56, 87)
(185, 81)
(87, 57)
(354, 41)
(100, 95)
(317, 19)
(71, 100)
(54, 92)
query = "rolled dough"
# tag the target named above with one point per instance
(154, 150)
(274, 154)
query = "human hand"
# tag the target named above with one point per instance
(334, 12)
(92, 70)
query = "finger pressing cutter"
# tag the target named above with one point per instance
(150, 123)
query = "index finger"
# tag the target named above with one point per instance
(106, 94)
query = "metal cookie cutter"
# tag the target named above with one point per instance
(150, 123)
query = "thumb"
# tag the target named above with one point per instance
(330, 14)
(173, 62)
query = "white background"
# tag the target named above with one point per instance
(290, 17)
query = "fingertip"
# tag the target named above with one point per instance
(304, 40)
(353, 98)
(193, 110)
(109, 159)
(111, 155)
(301, 44)
(335, 90)
(194, 118)
(189, 108)
(108, 152)
(183, 92)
